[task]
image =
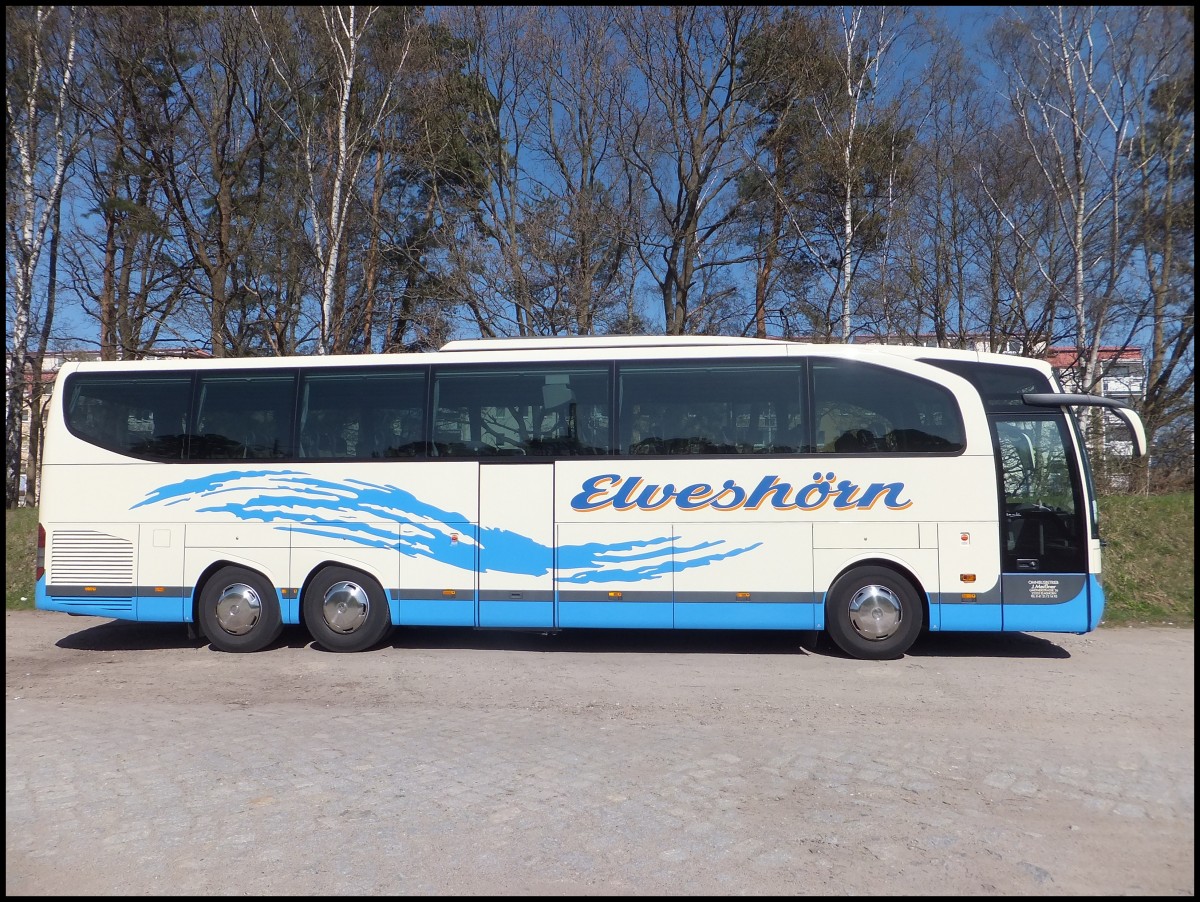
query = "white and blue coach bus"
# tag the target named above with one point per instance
(553, 484)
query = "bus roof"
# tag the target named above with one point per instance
(559, 342)
(918, 352)
(634, 342)
(598, 347)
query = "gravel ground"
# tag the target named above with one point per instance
(452, 762)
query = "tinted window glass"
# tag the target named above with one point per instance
(999, 385)
(1042, 531)
(362, 415)
(708, 408)
(145, 416)
(865, 409)
(243, 417)
(537, 411)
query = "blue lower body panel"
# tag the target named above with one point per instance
(517, 614)
(1071, 616)
(975, 618)
(615, 614)
(746, 616)
(146, 608)
(434, 612)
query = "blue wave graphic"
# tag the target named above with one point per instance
(351, 510)
(595, 562)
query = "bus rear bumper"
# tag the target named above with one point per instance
(119, 606)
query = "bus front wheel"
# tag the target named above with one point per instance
(345, 610)
(873, 613)
(239, 610)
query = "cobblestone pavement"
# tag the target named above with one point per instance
(447, 762)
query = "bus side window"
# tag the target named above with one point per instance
(324, 435)
(244, 416)
(112, 426)
(709, 408)
(334, 444)
(533, 411)
(167, 434)
(789, 439)
(145, 417)
(225, 435)
(309, 441)
(372, 440)
(863, 408)
(399, 437)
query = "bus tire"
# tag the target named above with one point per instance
(239, 610)
(873, 613)
(345, 610)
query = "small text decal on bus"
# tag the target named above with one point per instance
(628, 492)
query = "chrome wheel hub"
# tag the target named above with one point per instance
(345, 607)
(238, 609)
(875, 612)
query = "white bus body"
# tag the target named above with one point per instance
(482, 520)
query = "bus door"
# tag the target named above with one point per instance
(1044, 584)
(516, 545)
(615, 566)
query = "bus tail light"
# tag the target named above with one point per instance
(41, 552)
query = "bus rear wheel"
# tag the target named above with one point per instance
(345, 610)
(239, 610)
(873, 613)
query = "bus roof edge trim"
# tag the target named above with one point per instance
(541, 343)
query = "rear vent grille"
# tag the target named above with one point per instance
(84, 556)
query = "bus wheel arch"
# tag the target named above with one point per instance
(237, 608)
(875, 609)
(344, 609)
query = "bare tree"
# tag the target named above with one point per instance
(40, 43)
(870, 36)
(1076, 78)
(1164, 201)
(1015, 242)
(499, 285)
(36, 366)
(1069, 72)
(203, 126)
(582, 211)
(681, 133)
(784, 64)
(837, 153)
(312, 49)
(122, 256)
(960, 274)
(426, 191)
(549, 249)
(935, 277)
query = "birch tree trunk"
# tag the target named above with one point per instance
(336, 36)
(42, 41)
